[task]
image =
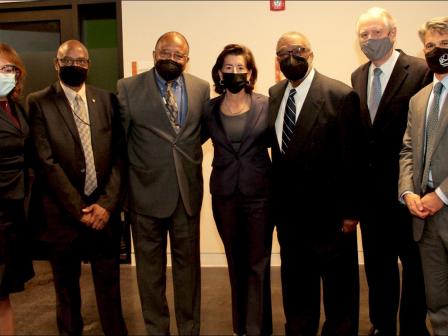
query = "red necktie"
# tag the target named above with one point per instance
(4, 105)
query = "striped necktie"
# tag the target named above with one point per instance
(83, 126)
(289, 120)
(431, 127)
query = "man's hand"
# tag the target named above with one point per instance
(416, 206)
(349, 225)
(95, 216)
(432, 202)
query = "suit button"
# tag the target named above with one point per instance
(83, 171)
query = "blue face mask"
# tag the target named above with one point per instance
(7, 83)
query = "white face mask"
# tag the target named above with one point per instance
(7, 83)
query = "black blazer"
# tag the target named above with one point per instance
(318, 177)
(248, 169)
(383, 139)
(59, 159)
(13, 144)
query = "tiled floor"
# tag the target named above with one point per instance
(35, 307)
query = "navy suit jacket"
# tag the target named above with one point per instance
(248, 169)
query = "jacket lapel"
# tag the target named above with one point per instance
(8, 120)
(94, 119)
(397, 77)
(63, 107)
(420, 122)
(254, 114)
(190, 91)
(308, 114)
(442, 124)
(275, 99)
(362, 90)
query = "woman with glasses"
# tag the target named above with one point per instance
(15, 266)
(236, 121)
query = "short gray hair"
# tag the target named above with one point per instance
(437, 24)
(380, 12)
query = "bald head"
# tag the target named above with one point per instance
(173, 38)
(293, 38)
(71, 47)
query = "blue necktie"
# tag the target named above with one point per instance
(431, 127)
(289, 120)
(375, 93)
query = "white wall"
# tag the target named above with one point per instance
(210, 25)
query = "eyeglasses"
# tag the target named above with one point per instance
(165, 54)
(297, 51)
(68, 61)
(9, 69)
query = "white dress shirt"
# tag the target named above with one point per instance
(299, 98)
(386, 69)
(71, 95)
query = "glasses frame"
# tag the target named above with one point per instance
(178, 57)
(297, 51)
(68, 61)
(14, 69)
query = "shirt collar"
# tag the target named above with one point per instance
(388, 66)
(306, 83)
(71, 94)
(444, 82)
(163, 83)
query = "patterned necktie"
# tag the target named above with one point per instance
(171, 105)
(289, 120)
(431, 127)
(4, 105)
(83, 126)
(375, 93)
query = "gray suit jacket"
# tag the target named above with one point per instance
(162, 164)
(412, 159)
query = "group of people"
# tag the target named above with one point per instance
(379, 146)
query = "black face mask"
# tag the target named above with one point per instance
(168, 69)
(294, 67)
(234, 82)
(437, 60)
(73, 75)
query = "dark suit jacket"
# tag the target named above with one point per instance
(247, 170)
(383, 139)
(162, 164)
(60, 164)
(318, 177)
(13, 143)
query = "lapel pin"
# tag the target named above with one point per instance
(93, 100)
